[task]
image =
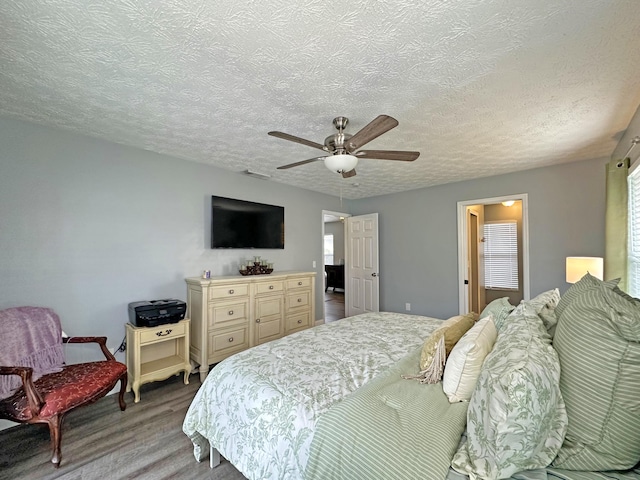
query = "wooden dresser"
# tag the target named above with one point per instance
(232, 313)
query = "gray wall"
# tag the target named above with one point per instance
(88, 226)
(418, 232)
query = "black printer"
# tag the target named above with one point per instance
(151, 313)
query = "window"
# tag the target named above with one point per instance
(328, 249)
(633, 247)
(501, 255)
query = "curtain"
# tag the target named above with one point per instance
(616, 218)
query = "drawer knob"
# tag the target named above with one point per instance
(270, 287)
(230, 339)
(257, 320)
(299, 283)
(231, 291)
(161, 334)
(230, 312)
(299, 321)
(299, 300)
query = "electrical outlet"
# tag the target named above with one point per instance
(407, 307)
(314, 264)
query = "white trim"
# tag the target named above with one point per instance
(462, 239)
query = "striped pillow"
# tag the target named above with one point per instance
(597, 341)
(584, 284)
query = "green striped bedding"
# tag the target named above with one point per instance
(390, 428)
(556, 474)
(598, 342)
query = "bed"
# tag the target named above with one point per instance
(338, 401)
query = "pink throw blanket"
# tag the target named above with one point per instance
(29, 337)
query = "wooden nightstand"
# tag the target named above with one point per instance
(156, 353)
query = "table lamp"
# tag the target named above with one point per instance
(577, 267)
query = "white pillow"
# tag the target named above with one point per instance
(463, 365)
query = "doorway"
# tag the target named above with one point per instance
(333, 264)
(507, 269)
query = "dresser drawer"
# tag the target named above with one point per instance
(269, 287)
(298, 299)
(162, 332)
(298, 322)
(299, 283)
(225, 343)
(221, 314)
(229, 291)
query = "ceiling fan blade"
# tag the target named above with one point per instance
(291, 138)
(303, 162)
(388, 155)
(378, 126)
(350, 173)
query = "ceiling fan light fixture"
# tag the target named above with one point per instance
(341, 162)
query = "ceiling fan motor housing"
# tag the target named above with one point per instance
(337, 142)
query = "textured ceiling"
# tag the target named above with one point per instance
(480, 87)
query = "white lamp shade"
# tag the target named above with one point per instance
(577, 267)
(341, 163)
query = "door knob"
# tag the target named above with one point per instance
(374, 274)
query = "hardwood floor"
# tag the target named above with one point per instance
(333, 305)
(101, 442)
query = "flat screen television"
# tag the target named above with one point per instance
(242, 224)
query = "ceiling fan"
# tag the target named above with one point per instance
(343, 148)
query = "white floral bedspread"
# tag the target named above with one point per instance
(259, 407)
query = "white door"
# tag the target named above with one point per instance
(362, 275)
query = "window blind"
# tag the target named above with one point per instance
(328, 249)
(501, 255)
(634, 233)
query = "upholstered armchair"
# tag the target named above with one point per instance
(36, 386)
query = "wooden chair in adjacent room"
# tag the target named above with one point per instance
(36, 385)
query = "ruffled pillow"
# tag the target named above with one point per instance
(439, 344)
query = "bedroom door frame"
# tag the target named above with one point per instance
(463, 239)
(475, 286)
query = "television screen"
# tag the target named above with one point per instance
(241, 224)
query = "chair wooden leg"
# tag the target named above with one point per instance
(123, 387)
(55, 432)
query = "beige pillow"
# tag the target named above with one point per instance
(447, 335)
(465, 361)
